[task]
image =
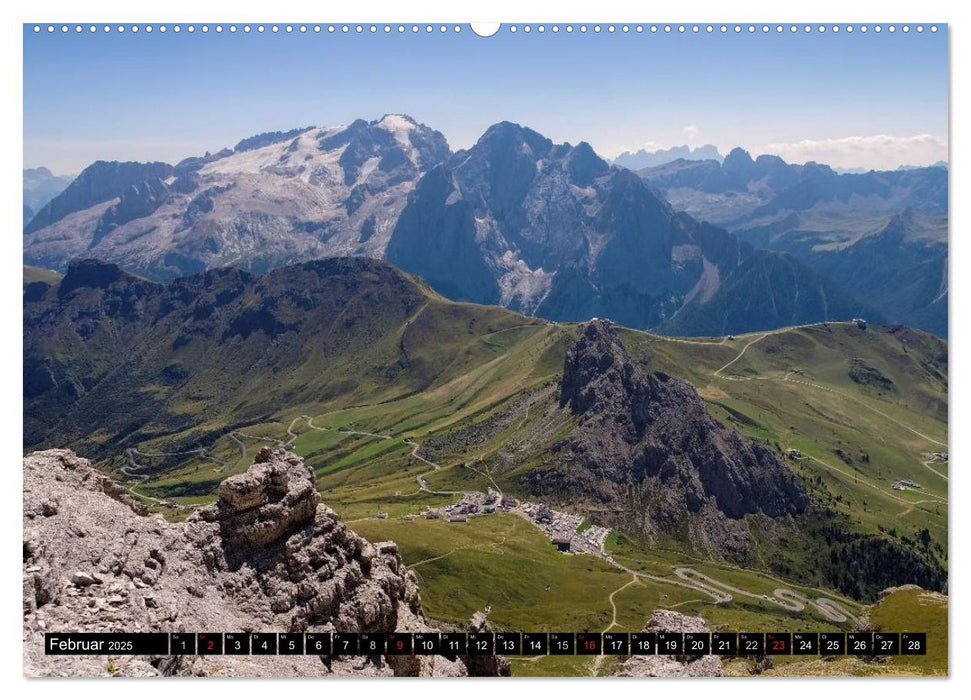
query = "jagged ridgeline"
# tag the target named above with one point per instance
(551, 230)
(674, 443)
(881, 236)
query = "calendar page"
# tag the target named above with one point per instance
(517, 349)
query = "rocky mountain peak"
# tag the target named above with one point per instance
(401, 145)
(99, 182)
(601, 382)
(738, 161)
(270, 500)
(267, 556)
(511, 138)
(398, 120)
(651, 434)
(597, 370)
(584, 164)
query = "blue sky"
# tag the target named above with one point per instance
(871, 100)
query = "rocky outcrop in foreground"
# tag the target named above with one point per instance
(647, 446)
(268, 556)
(663, 666)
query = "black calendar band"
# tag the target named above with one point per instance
(485, 643)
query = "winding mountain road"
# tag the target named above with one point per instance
(131, 472)
(685, 577)
(783, 597)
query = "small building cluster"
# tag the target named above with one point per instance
(905, 485)
(471, 503)
(562, 528)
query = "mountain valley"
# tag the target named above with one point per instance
(404, 403)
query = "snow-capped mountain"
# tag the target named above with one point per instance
(554, 230)
(274, 199)
(543, 228)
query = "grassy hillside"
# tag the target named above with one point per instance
(401, 400)
(112, 361)
(910, 609)
(794, 389)
(39, 274)
(487, 427)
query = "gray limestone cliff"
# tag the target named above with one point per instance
(268, 556)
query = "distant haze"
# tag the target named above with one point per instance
(646, 159)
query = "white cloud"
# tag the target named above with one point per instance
(690, 132)
(880, 152)
(652, 146)
(612, 150)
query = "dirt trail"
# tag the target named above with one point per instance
(414, 453)
(858, 479)
(310, 424)
(598, 661)
(267, 438)
(415, 447)
(242, 446)
(293, 435)
(927, 465)
(685, 341)
(910, 509)
(717, 372)
(431, 559)
(488, 476)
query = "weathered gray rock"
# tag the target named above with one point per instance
(485, 665)
(268, 556)
(82, 579)
(646, 443)
(663, 666)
